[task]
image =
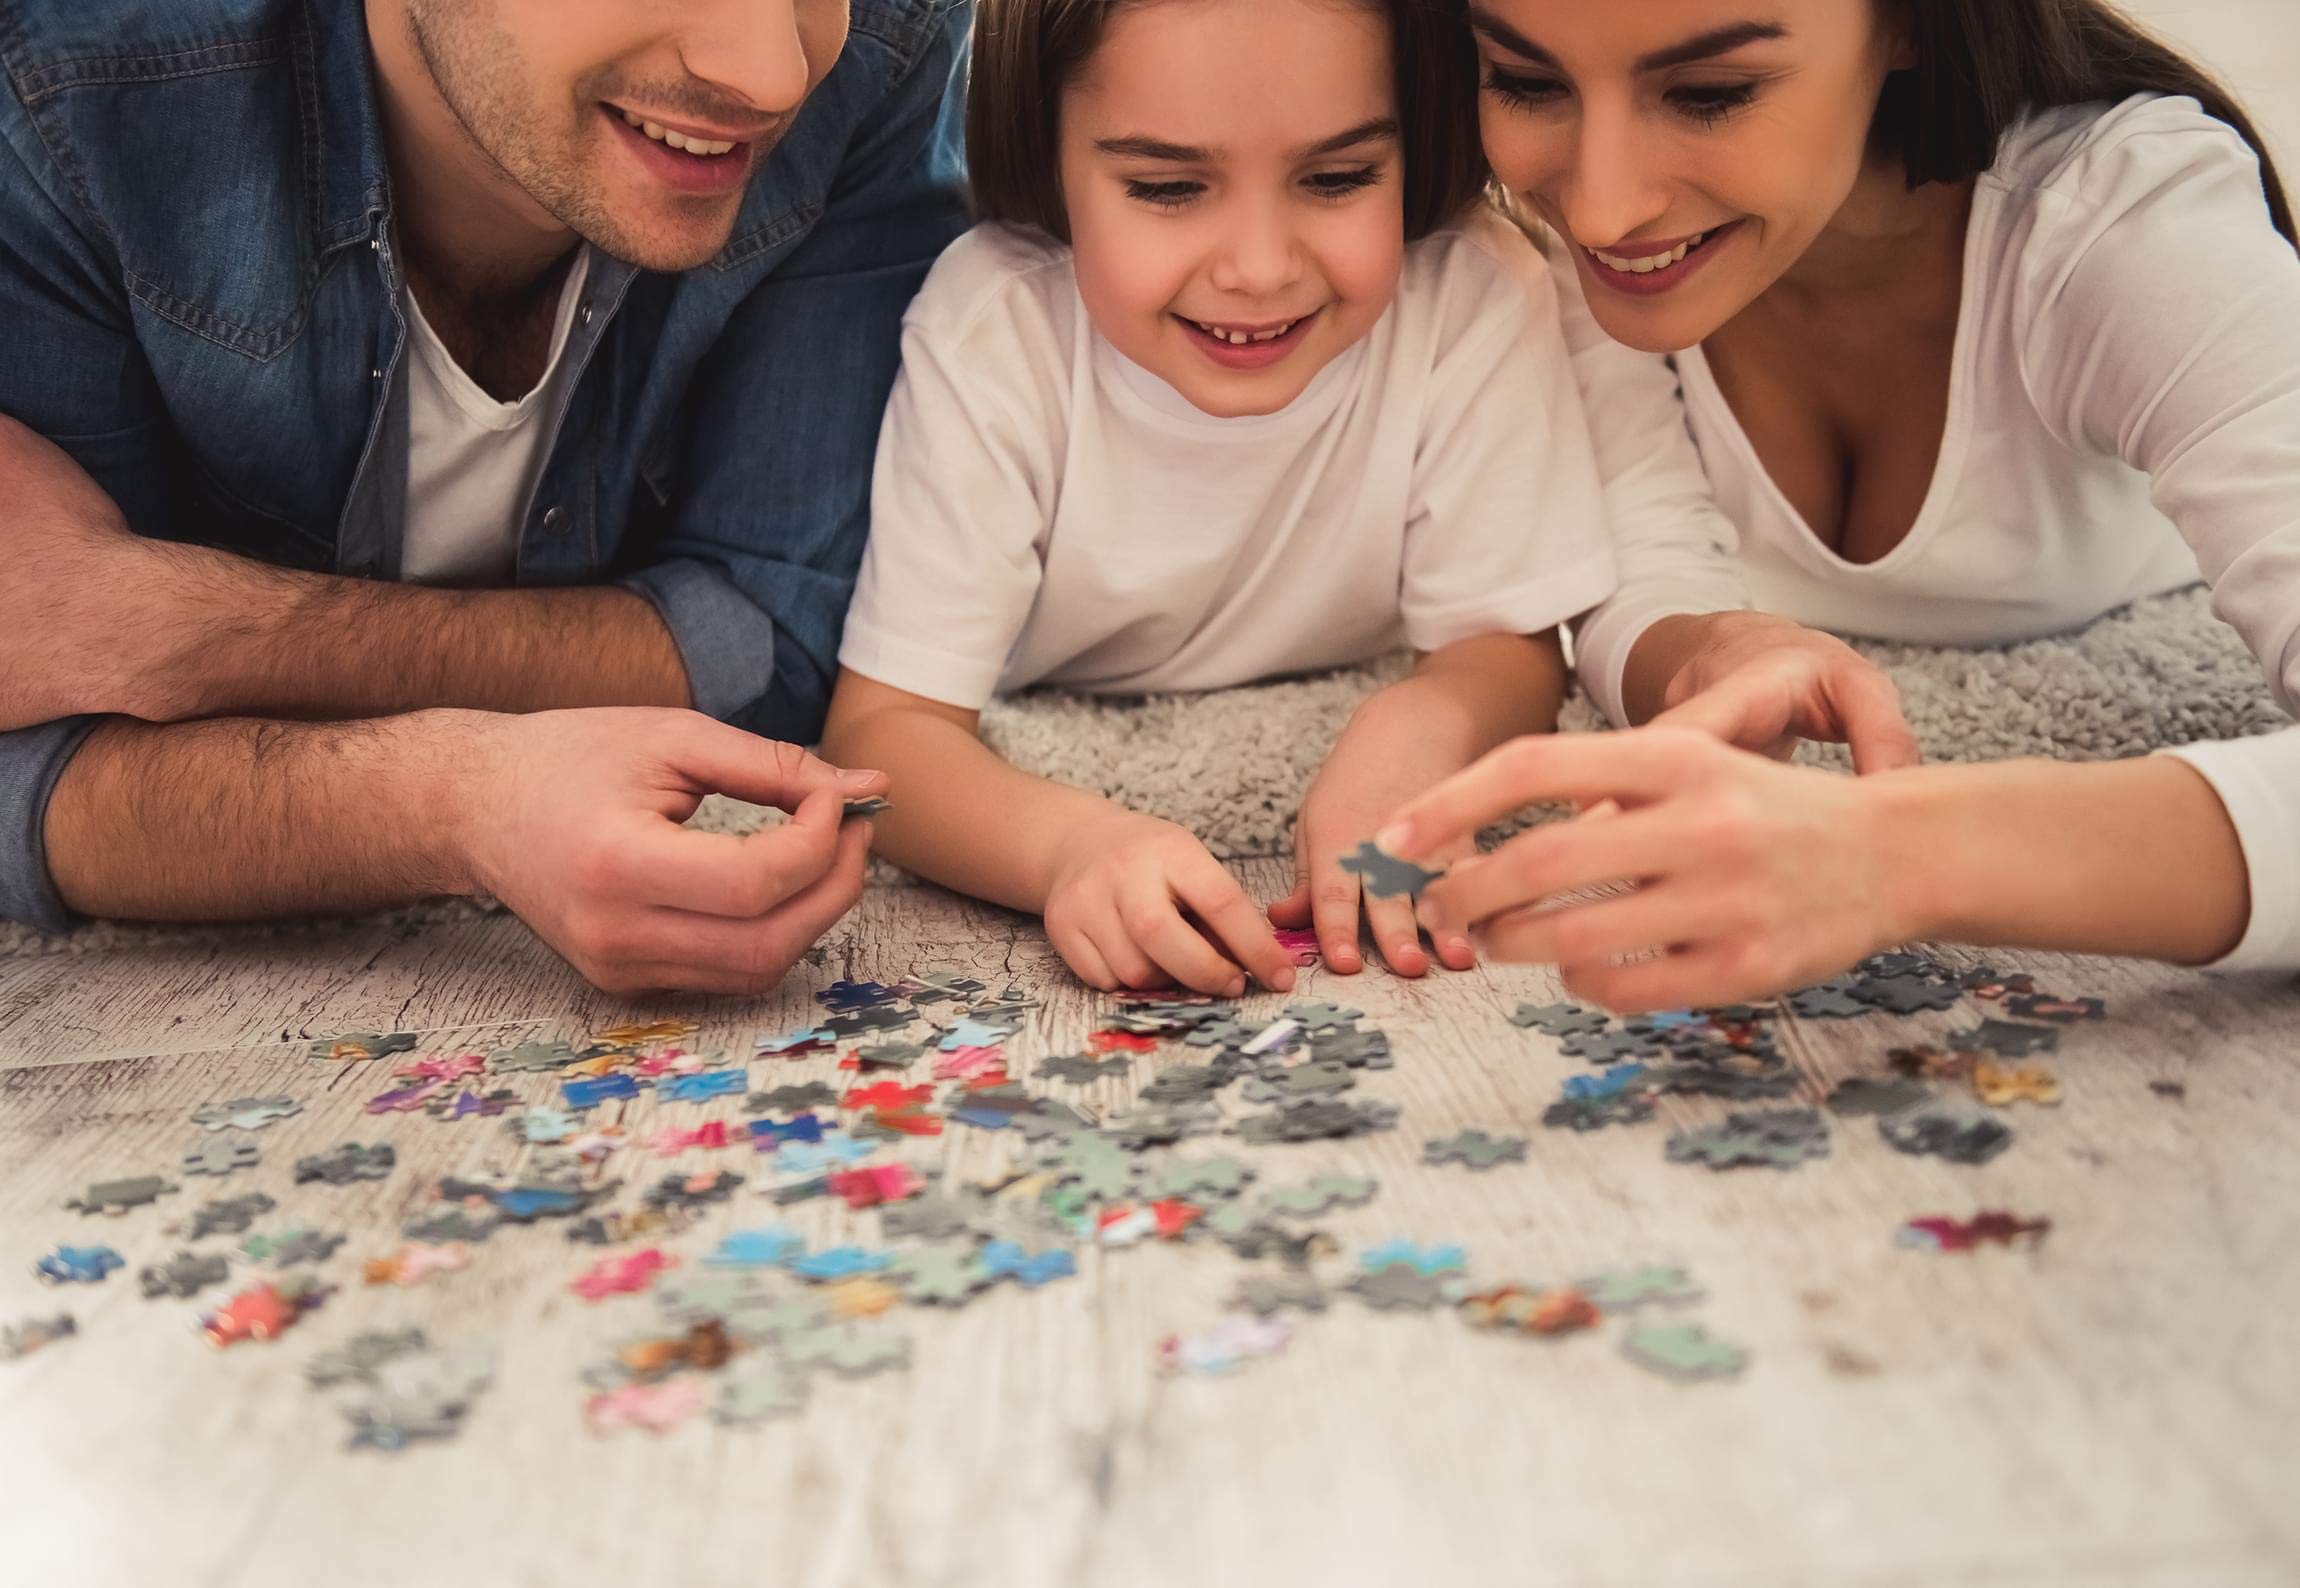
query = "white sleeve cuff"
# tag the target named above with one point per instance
(1602, 645)
(1533, 607)
(963, 681)
(2258, 781)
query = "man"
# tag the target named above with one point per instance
(379, 381)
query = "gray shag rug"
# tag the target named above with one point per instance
(1232, 765)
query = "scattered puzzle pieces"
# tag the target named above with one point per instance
(1474, 1149)
(1682, 1351)
(246, 1113)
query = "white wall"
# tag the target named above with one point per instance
(2254, 45)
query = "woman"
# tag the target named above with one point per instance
(1988, 321)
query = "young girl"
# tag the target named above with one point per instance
(1226, 388)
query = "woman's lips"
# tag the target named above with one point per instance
(1638, 268)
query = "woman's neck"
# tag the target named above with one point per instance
(1883, 235)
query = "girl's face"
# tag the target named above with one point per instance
(1691, 149)
(1235, 187)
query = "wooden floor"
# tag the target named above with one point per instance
(2120, 1406)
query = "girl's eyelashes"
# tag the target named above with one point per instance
(1164, 195)
(1176, 192)
(1705, 104)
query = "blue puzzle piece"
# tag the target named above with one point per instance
(1606, 1083)
(702, 1088)
(78, 1265)
(834, 1151)
(589, 1094)
(766, 1248)
(1434, 1260)
(766, 1135)
(544, 1126)
(1006, 1260)
(841, 1262)
(973, 1034)
(844, 997)
(532, 1202)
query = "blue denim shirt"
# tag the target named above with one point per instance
(199, 302)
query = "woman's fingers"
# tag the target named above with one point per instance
(1633, 767)
(1558, 857)
(1659, 918)
(1869, 707)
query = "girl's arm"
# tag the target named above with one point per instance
(1108, 880)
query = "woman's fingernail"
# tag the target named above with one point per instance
(1395, 837)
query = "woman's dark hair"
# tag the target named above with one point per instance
(1026, 52)
(1983, 64)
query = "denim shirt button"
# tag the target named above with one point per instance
(554, 521)
(585, 314)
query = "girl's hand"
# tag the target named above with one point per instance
(1379, 764)
(1763, 683)
(1114, 911)
(1752, 877)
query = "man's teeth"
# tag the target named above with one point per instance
(677, 140)
(1241, 338)
(1652, 262)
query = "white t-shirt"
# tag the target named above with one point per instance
(1046, 511)
(2124, 417)
(472, 462)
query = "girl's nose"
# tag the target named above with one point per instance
(1260, 255)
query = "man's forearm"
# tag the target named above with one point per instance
(237, 819)
(277, 642)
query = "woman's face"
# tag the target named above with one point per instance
(1691, 149)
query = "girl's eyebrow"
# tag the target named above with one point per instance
(1717, 41)
(1370, 130)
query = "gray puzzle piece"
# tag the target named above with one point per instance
(1384, 875)
(184, 1275)
(246, 1113)
(1474, 1149)
(218, 1156)
(118, 1196)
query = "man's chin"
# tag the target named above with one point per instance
(667, 237)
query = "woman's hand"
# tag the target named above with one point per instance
(1751, 877)
(1762, 683)
(1115, 909)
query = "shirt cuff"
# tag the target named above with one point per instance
(726, 640)
(2258, 781)
(1602, 645)
(31, 760)
(967, 682)
(1534, 607)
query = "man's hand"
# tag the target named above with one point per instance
(83, 629)
(1762, 683)
(572, 818)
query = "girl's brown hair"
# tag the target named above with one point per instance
(1983, 64)
(1026, 52)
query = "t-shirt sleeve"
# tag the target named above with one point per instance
(2164, 326)
(960, 498)
(1676, 549)
(1506, 532)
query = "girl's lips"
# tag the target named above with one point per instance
(699, 174)
(1669, 277)
(1247, 355)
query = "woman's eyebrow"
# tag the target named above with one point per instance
(1717, 41)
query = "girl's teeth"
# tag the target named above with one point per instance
(677, 140)
(1241, 338)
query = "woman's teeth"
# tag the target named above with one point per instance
(1652, 262)
(661, 134)
(1242, 338)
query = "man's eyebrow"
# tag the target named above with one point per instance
(1143, 148)
(1717, 41)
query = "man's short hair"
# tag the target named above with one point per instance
(1026, 52)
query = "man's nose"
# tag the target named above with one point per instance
(765, 53)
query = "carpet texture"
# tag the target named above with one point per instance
(1231, 765)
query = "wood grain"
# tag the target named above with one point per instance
(2118, 1406)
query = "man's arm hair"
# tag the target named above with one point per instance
(237, 819)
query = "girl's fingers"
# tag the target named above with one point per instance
(1398, 935)
(1293, 911)
(1215, 897)
(1155, 926)
(1451, 944)
(1636, 767)
(1129, 966)
(1334, 912)
(1558, 857)
(1083, 958)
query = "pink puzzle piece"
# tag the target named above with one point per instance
(964, 1064)
(435, 1068)
(1300, 944)
(625, 1275)
(654, 1407)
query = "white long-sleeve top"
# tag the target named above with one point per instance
(2124, 418)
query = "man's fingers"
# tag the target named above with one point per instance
(1634, 766)
(1397, 935)
(1554, 858)
(1154, 923)
(1869, 707)
(726, 760)
(705, 953)
(722, 874)
(1215, 897)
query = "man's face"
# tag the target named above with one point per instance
(636, 123)
(1235, 189)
